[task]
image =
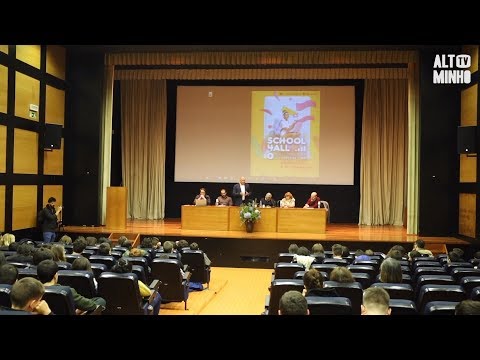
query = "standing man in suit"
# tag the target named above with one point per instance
(48, 219)
(241, 192)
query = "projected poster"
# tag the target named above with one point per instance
(285, 133)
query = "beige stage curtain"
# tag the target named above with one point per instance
(382, 170)
(144, 117)
(413, 175)
(106, 141)
(336, 57)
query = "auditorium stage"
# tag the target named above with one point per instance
(259, 249)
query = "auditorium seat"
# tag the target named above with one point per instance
(429, 293)
(122, 294)
(80, 280)
(19, 265)
(277, 289)
(453, 265)
(28, 272)
(60, 300)
(419, 271)
(363, 278)
(324, 305)
(339, 262)
(406, 279)
(324, 267)
(397, 291)
(434, 279)
(352, 291)
(108, 260)
(64, 265)
(475, 294)
(172, 286)
(140, 272)
(287, 270)
(460, 272)
(98, 269)
(195, 260)
(425, 264)
(366, 269)
(374, 263)
(140, 261)
(5, 290)
(285, 257)
(440, 308)
(403, 307)
(468, 283)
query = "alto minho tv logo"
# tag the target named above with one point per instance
(450, 69)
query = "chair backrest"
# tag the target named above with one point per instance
(140, 272)
(280, 287)
(88, 253)
(321, 305)
(71, 257)
(353, 291)
(440, 308)
(64, 265)
(363, 278)
(366, 269)
(475, 294)
(196, 263)
(429, 293)
(285, 257)
(287, 270)
(27, 273)
(419, 271)
(138, 260)
(339, 262)
(468, 283)
(97, 269)
(403, 307)
(460, 272)
(80, 280)
(103, 259)
(121, 293)
(60, 300)
(397, 291)
(5, 290)
(434, 279)
(453, 265)
(172, 287)
(324, 267)
(19, 265)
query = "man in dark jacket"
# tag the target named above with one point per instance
(48, 220)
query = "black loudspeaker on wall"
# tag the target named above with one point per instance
(53, 136)
(467, 140)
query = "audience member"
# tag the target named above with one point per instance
(121, 240)
(453, 257)
(313, 201)
(397, 254)
(58, 252)
(8, 274)
(419, 245)
(65, 240)
(468, 307)
(241, 192)
(91, 240)
(360, 256)
(460, 253)
(267, 201)
(104, 249)
(23, 255)
(345, 252)
(413, 254)
(288, 201)
(337, 251)
(376, 301)
(342, 275)
(293, 303)
(41, 254)
(5, 241)
(26, 297)
(78, 246)
(391, 271)
(303, 257)
(202, 196)
(293, 248)
(313, 282)
(82, 263)
(47, 272)
(124, 266)
(224, 199)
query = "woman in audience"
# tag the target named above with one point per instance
(124, 266)
(313, 282)
(342, 275)
(293, 249)
(303, 257)
(288, 201)
(58, 253)
(82, 263)
(65, 240)
(6, 240)
(391, 271)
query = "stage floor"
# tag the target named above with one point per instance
(341, 232)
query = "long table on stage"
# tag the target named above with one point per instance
(282, 220)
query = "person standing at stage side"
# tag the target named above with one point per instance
(313, 201)
(288, 201)
(202, 195)
(241, 192)
(224, 199)
(48, 219)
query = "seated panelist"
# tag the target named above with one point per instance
(313, 201)
(267, 201)
(288, 201)
(202, 195)
(224, 199)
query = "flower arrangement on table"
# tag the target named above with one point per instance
(249, 213)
